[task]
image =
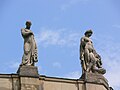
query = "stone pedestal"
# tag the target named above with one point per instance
(30, 83)
(93, 81)
(28, 71)
(29, 78)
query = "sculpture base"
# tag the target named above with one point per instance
(94, 78)
(28, 71)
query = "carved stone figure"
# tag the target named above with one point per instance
(90, 59)
(30, 48)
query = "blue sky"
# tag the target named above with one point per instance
(58, 26)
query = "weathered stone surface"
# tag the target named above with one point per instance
(29, 83)
(90, 86)
(59, 86)
(17, 82)
(5, 84)
(28, 71)
(95, 78)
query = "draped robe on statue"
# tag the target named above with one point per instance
(30, 48)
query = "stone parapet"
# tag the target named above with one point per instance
(19, 82)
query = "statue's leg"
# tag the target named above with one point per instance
(83, 66)
(92, 62)
(89, 67)
(98, 64)
(86, 56)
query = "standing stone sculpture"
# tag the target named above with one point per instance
(27, 67)
(30, 48)
(90, 59)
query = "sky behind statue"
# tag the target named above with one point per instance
(58, 26)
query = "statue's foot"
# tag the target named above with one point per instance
(99, 71)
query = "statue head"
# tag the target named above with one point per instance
(28, 24)
(88, 33)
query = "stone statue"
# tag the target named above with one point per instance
(90, 59)
(30, 48)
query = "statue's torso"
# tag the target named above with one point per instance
(28, 39)
(88, 44)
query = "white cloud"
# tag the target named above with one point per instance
(110, 50)
(60, 37)
(39, 68)
(112, 63)
(72, 3)
(15, 65)
(73, 75)
(57, 65)
(107, 47)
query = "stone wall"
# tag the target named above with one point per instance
(16, 82)
(9, 82)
